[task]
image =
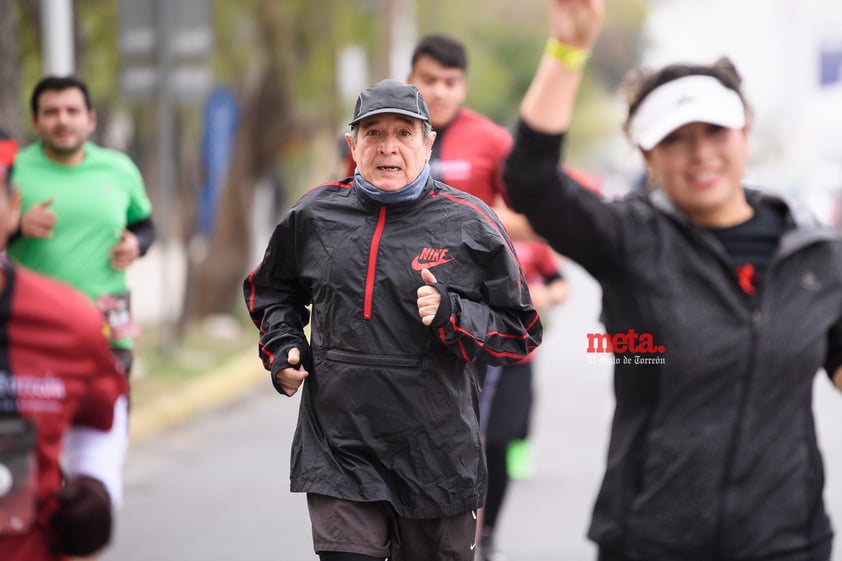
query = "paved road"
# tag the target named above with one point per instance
(217, 488)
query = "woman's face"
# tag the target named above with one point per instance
(700, 167)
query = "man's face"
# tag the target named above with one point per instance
(63, 122)
(390, 150)
(444, 89)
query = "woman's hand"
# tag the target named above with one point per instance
(577, 22)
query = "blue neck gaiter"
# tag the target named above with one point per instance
(402, 195)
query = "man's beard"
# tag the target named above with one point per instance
(64, 150)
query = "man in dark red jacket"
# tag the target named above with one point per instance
(56, 374)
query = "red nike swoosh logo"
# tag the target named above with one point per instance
(417, 265)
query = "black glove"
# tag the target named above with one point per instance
(83, 521)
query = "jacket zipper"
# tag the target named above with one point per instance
(756, 316)
(372, 263)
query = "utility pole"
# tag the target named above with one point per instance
(398, 39)
(165, 46)
(383, 62)
(403, 35)
(57, 43)
(166, 164)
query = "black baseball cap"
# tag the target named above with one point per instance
(391, 96)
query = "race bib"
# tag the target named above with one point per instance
(116, 309)
(18, 476)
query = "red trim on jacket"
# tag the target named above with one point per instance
(481, 343)
(251, 292)
(372, 263)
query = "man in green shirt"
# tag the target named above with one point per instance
(86, 216)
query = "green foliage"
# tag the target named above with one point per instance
(30, 56)
(504, 42)
(97, 28)
(280, 56)
(96, 50)
(500, 71)
(503, 48)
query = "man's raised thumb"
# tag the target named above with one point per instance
(428, 277)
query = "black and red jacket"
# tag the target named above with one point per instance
(389, 410)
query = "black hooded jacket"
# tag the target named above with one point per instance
(713, 452)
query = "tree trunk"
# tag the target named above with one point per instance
(12, 119)
(267, 126)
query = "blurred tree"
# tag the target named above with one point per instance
(21, 62)
(97, 58)
(281, 59)
(12, 119)
(286, 81)
(504, 41)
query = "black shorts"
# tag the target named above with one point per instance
(375, 529)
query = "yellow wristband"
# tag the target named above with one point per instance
(573, 58)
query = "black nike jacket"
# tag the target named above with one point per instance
(389, 410)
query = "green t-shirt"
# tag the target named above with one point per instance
(93, 202)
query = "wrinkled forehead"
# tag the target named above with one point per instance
(386, 119)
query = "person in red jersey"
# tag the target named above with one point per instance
(57, 376)
(8, 147)
(507, 396)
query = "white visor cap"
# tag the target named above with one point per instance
(691, 99)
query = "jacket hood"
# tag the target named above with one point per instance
(804, 227)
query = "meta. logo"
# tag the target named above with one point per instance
(630, 342)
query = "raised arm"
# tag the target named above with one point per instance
(574, 26)
(570, 217)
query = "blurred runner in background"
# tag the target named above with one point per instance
(507, 397)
